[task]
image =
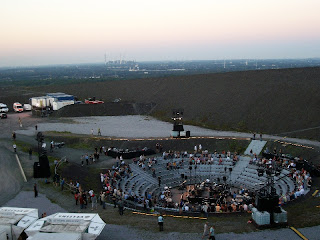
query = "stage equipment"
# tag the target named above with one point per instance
(178, 130)
(41, 169)
(267, 198)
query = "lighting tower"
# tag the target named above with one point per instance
(177, 122)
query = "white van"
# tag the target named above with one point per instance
(17, 107)
(26, 107)
(3, 108)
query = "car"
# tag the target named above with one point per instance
(3, 108)
(3, 115)
(27, 107)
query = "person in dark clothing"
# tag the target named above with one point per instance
(62, 184)
(35, 190)
(120, 206)
(14, 136)
(114, 200)
(30, 154)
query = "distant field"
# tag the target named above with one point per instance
(268, 101)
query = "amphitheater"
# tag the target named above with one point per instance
(238, 174)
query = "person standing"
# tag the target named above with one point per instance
(14, 136)
(160, 222)
(205, 210)
(92, 131)
(14, 147)
(212, 237)
(30, 153)
(81, 159)
(62, 184)
(94, 202)
(114, 200)
(35, 190)
(206, 231)
(76, 197)
(36, 127)
(99, 132)
(87, 158)
(120, 206)
(103, 200)
(81, 201)
(20, 122)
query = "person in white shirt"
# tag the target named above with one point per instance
(160, 222)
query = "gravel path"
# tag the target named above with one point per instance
(139, 127)
(26, 199)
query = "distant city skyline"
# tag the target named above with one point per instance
(39, 32)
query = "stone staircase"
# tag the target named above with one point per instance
(143, 174)
(256, 146)
(238, 168)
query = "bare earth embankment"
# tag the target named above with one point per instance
(270, 101)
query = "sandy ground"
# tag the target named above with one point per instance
(137, 127)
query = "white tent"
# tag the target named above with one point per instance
(88, 225)
(14, 220)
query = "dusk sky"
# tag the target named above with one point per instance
(40, 32)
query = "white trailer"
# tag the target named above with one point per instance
(14, 220)
(55, 236)
(60, 104)
(88, 225)
(40, 102)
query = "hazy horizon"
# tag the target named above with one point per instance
(36, 33)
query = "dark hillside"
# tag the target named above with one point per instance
(271, 101)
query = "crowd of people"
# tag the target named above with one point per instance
(301, 178)
(233, 202)
(199, 156)
(219, 200)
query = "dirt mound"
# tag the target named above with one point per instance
(106, 109)
(268, 101)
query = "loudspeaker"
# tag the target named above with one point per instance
(188, 134)
(178, 128)
(36, 170)
(267, 203)
(44, 166)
